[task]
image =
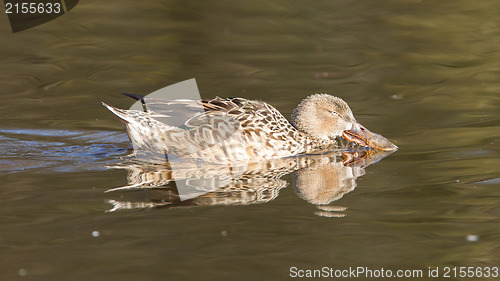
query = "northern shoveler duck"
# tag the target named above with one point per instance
(222, 130)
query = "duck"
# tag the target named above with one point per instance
(229, 130)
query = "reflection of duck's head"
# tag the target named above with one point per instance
(327, 182)
(327, 117)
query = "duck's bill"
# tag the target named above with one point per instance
(362, 136)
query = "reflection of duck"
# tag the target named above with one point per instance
(236, 129)
(318, 179)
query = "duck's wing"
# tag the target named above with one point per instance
(256, 118)
(230, 108)
(182, 128)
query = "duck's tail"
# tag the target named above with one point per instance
(144, 132)
(124, 115)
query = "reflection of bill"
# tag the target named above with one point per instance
(25, 14)
(177, 108)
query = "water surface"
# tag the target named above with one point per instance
(424, 74)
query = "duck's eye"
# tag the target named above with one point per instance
(334, 112)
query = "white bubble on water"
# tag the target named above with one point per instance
(22, 272)
(472, 238)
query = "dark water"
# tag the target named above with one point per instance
(422, 73)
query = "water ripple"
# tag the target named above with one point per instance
(59, 150)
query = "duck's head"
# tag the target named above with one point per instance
(327, 117)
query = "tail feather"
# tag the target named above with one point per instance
(134, 96)
(120, 113)
(137, 97)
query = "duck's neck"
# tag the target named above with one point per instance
(311, 144)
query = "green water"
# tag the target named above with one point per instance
(425, 74)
